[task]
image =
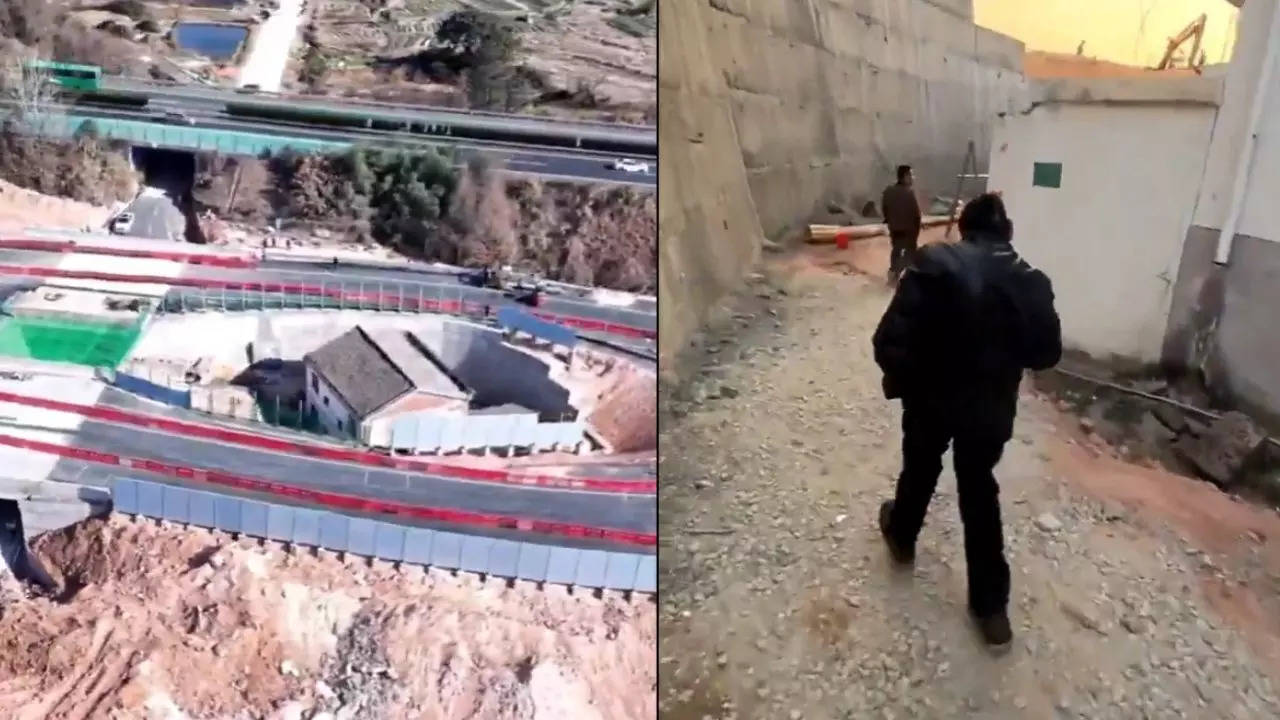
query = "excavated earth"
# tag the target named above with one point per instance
(162, 622)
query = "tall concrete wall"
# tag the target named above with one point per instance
(770, 109)
(829, 95)
(1110, 236)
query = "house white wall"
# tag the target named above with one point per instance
(1260, 215)
(1110, 237)
(1223, 324)
(375, 431)
(334, 415)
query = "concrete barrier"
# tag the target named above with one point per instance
(387, 541)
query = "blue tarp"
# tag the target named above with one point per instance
(152, 391)
(514, 319)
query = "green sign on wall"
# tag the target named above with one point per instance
(1047, 175)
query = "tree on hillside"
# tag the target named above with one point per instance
(315, 68)
(32, 91)
(476, 38)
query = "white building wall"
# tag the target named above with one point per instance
(1261, 213)
(376, 430)
(334, 415)
(1110, 237)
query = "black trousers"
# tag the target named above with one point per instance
(979, 431)
(902, 250)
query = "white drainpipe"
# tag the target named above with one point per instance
(1238, 188)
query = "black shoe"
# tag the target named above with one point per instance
(901, 555)
(995, 629)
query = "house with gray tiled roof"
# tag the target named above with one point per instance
(362, 380)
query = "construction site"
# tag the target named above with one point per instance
(1138, 494)
(429, 440)
(361, 485)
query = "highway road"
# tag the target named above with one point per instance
(550, 163)
(622, 511)
(388, 282)
(409, 113)
(156, 216)
(57, 430)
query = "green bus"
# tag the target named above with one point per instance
(68, 75)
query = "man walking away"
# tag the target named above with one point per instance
(902, 215)
(966, 320)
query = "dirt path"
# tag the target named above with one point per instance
(779, 600)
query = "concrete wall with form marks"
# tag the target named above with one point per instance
(829, 96)
(770, 109)
(1100, 180)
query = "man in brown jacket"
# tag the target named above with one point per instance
(902, 215)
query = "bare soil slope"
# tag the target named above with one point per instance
(161, 622)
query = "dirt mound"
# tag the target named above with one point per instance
(20, 208)
(171, 623)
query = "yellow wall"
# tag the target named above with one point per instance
(1112, 29)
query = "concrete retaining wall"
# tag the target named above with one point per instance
(387, 541)
(771, 109)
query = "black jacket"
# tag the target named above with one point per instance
(967, 319)
(901, 209)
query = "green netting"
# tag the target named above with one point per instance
(93, 344)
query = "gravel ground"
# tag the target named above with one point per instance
(779, 600)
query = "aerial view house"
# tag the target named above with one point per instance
(361, 382)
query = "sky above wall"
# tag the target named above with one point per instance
(1133, 32)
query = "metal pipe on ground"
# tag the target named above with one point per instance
(1149, 396)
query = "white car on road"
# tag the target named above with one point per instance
(122, 223)
(631, 166)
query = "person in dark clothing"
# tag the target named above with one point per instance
(965, 322)
(902, 216)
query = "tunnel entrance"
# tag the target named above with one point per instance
(165, 209)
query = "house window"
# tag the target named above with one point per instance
(326, 401)
(315, 382)
(1048, 175)
(339, 424)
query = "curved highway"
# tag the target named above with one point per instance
(76, 446)
(389, 282)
